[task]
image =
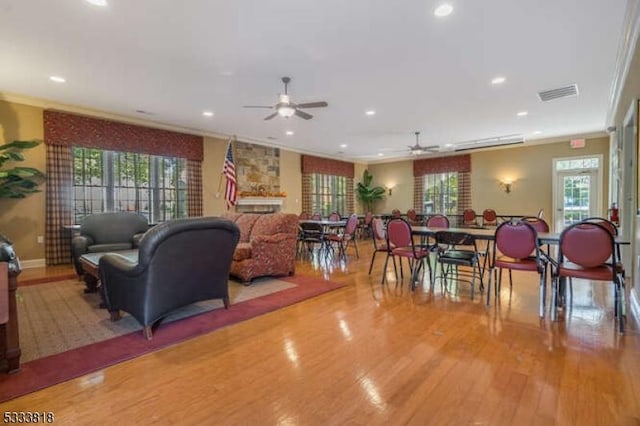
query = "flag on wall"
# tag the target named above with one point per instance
(229, 171)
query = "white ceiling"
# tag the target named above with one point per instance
(176, 59)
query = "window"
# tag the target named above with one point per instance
(441, 193)
(124, 181)
(328, 194)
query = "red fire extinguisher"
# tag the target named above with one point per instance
(614, 214)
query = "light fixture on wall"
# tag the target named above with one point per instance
(506, 185)
(389, 189)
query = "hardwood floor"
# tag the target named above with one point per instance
(372, 354)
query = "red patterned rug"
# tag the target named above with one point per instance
(48, 370)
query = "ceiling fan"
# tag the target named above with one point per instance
(285, 108)
(418, 149)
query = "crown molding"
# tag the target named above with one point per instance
(626, 50)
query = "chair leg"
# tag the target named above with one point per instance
(384, 268)
(543, 292)
(372, 259)
(147, 332)
(489, 287)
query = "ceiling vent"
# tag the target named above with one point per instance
(489, 142)
(560, 92)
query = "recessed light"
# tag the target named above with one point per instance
(343, 145)
(226, 73)
(448, 145)
(207, 113)
(380, 154)
(443, 10)
(498, 80)
(289, 133)
(537, 132)
(370, 112)
(97, 2)
(522, 113)
(57, 79)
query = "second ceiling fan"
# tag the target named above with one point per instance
(418, 149)
(286, 108)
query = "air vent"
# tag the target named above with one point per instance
(561, 92)
(489, 142)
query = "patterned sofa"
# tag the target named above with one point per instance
(267, 245)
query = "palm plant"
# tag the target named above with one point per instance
(18, 182)
(369, 194)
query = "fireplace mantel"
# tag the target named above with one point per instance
(260, 201)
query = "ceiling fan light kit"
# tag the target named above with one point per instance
(287, 109)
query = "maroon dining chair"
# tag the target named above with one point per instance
(364, 226)
(346, 237)
(489, 218)
(400, 239)
(395, 214)
(469, 217)
(587, 250)
(335, 217)
(316, 216)
(412, 217)
(517, 243)
(304, 216)
(380, 244)
(438, 221)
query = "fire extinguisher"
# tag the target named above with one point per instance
(614, 214)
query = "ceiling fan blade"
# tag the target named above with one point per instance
(303, 114)
(431, 148)
(257, 106)
(269, 117)
(320, 104)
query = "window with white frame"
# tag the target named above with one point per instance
(441, 193)
(153, 186)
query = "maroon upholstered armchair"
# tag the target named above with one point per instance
(267, 245)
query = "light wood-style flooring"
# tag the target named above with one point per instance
(377, 355)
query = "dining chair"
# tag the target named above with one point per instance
(489, 218)
(316, 216)
(364, 226)
(310, 235)
(380, 244)
(469, 217)
(587, 250)
(335, 217)
(395, 214)
(436, 221)
(517, 243)
(345, 237)
(412, 217)
(304, 216)
(400, 239)
(461, 250)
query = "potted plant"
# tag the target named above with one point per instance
(369, 194)
(16, 181)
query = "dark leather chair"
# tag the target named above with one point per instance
(179, 262)
(106, 232)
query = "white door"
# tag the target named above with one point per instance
(576, 196)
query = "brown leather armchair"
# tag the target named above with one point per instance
(179, 262)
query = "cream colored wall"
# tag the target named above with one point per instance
(291, 181)
(531, 169)
(22, 220)
(399, 176)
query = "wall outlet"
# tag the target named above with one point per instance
(40, 239)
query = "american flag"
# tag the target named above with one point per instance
(229, 171)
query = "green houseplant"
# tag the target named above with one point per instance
(16, 181)
(369, 194)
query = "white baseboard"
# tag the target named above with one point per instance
(33, 263)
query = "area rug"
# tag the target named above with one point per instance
(64, 335)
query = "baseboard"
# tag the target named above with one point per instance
(33, 263)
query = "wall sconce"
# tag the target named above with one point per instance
(506, 185)
(389, 189)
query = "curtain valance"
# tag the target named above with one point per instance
(64, 129)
